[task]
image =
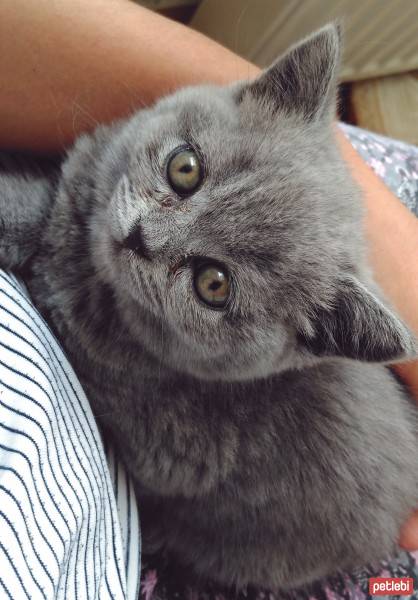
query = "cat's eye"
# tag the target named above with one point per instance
(212, 285)
(184, 171)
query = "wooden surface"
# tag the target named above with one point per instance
(388, 105)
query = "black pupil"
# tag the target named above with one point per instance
(186, 168)
(214, 285)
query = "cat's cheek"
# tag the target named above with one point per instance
(220, 345)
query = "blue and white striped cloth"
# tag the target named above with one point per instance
(69, 525)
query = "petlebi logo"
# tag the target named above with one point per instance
(395, 586)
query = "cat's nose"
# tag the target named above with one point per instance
(135, 241)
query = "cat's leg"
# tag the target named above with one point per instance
(26, 195)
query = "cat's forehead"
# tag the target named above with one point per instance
(241, 132)
(200, 106)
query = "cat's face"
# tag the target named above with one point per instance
(234, 218)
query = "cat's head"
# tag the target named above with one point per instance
(235, 229)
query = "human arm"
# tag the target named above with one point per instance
(69, 64)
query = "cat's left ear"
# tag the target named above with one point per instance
(304, 80)
(359, 326)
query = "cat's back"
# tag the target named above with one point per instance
(338, 410)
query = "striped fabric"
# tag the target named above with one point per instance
(69, 525)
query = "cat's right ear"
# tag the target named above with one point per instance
(304, 80)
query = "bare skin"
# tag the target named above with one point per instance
(70, 64)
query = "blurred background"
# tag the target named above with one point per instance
(379, 77)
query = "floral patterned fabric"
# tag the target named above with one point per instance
(393, 161)
(397, 164)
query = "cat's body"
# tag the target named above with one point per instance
(262, 453)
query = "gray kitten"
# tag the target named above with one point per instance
(203, 264)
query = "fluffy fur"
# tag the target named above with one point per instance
(267, 444)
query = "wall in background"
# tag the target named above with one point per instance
(381, 36)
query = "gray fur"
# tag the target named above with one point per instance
(267, 444)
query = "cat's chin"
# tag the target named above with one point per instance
(230, 369)
(225, 370)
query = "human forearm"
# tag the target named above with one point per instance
(392, 234)
(69, 64)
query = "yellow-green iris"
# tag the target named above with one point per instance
(212, 285)
(184, 171)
